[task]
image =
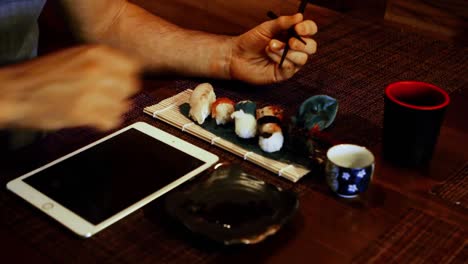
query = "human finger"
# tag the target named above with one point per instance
(275, 51)
(116, 88)
(310, 47)
(100, 112)
(296, 57)
(114, 118)
(275, 26)
(306, 28)
(276, 45)
(275, 56)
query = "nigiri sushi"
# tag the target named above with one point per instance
(244, 116)
(269, 120)
(200, 102)
(270, 111)
(221, 110)
(271, 137)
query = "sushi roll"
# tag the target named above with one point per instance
(200, 102)
(244, 117)
(269, 120)
(221, 110)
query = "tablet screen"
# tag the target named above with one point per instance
(109, 177)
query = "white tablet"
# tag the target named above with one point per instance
(93, 187)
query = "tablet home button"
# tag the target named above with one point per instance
(47, 206)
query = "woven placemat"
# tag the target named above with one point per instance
(455, 188)
(418, 238)
(145, 236)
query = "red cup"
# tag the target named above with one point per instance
(414, 112)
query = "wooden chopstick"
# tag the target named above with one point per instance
(302, 6)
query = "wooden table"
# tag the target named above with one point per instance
(407, 215)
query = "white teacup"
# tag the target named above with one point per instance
(349, 169)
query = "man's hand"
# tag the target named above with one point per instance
(256, 54)
(81, 86)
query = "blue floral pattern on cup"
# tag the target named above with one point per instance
(350, 182)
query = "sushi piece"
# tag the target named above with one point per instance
(270, 112)
(269, 120)
(271, 137)
(244, 117)
(200, 102)
(221, 110)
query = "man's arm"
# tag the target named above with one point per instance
(162, 46)
(166, 48)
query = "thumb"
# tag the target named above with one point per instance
(273, 27)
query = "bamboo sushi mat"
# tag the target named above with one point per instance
(168, 111)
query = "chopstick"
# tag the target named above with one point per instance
(302, 6)
(291, 32)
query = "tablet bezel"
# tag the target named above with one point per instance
(79, 225)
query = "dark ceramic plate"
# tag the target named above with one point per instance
(232, 207)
